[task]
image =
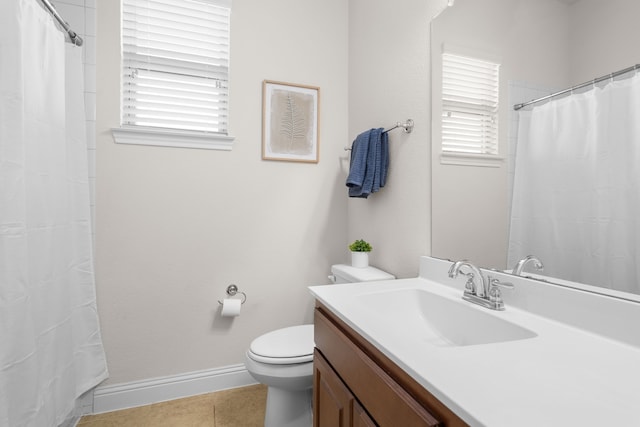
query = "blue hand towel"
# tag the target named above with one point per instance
(382, 161)
(369, 163)
(360, 180)
(358, 164)
(372, 177)
(384, 158)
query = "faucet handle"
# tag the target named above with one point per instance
(493, 282)
(469, 285)
(495, 294)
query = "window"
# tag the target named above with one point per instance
(469, 106)
(175, 73)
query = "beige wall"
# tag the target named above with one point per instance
(175, 226)
(389, 81)
(604, 37)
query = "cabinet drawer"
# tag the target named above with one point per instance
(388, 403)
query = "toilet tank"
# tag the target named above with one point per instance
(342, 273)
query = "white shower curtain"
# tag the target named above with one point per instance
(50, 346)
(576, 195)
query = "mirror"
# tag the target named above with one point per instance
(543, 46)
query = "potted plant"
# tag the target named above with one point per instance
(360, 253)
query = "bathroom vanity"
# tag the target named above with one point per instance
(350, 375)
(411, 352)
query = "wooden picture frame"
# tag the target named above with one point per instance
(290, 122)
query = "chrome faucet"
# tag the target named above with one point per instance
(478, 290)
(475, 280)
(518, 269)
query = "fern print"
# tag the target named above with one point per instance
(292, 124)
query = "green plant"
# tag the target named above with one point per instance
(360, 246)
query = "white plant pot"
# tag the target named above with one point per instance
(360, 259)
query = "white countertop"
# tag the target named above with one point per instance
(565, 376)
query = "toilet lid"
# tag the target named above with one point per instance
(288, 345)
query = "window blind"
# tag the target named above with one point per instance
(469, 105)
(176, 64)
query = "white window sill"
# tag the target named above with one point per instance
(171, 138)
(479, 160)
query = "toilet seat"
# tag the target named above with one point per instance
(284, 346)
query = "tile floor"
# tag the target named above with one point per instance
(239, 407)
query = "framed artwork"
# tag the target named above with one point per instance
(290, 122)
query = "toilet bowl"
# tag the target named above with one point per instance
(283, 360)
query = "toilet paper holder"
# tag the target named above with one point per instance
(232, 290)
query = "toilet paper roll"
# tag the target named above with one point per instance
(231, 307)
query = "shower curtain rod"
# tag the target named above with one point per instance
(75, 38)
(590, 82)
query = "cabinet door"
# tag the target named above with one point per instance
(360, 417)
(332, 400)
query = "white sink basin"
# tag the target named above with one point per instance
(440, 320)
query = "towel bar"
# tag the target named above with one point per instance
(406, 126)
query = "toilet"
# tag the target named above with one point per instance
(283, 360)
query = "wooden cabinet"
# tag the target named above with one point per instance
(356, 385)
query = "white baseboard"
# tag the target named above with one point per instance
(138, 393)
